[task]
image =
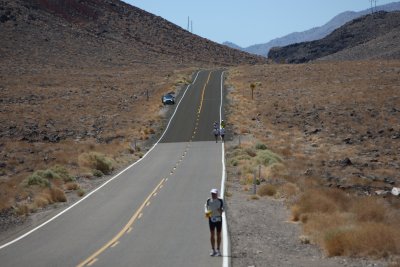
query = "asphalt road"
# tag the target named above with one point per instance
(150, 214)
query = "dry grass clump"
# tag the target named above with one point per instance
(369, 209)
(46, 188)
(346, 225)
(289, 190)
(42, 199)
(80, 192)
(319, 201)
(97, 161)
(365, 239)
(72, 186)
(58, 195)
(267, 190)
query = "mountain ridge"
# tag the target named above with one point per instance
(382, 25)
(314, 33)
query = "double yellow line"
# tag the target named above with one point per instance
(127, 228)
(202, 94)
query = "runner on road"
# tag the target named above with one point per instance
(222, 134)
(213, 210)
(216, 134)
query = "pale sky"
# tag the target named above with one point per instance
(250, 22)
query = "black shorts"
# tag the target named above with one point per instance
(214, 225)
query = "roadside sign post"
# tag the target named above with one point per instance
(255, 183)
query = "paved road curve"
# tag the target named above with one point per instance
(151, 214)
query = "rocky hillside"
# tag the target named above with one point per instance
(360, 36)
(73, 32)
(85, 76)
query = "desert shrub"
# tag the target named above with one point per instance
(246, 179)
(22, 210)
(43, 177)
(261, 146)
(80, 192)
(365, 239)
(37, 179)
(267, 157)
(254, 197)
(97, 173)
(289, 190)
(63, 173)
(266, 190)
(49, 174)
(233, 162)
(251, 152)
(97, 161)
(71, 186)
(340, 197)
(296, 212)
(58, 195)
(318, 224)
(369, 209)
(316, 201)
(241, 155)
(41, 201)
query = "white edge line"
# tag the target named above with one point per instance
(225, 240)
(105, 183)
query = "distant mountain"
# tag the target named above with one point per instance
(314, 33)
(232, 45)
(372, 36)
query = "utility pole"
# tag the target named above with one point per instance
(191, 26)
(188, 24)
(373, 6)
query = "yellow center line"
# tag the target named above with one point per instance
(115, 244)
(204, 89)
(92, 262)
(93, 258)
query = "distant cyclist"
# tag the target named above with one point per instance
(222, 124)
(213, 210)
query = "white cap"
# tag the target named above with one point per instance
(395, 191)
(214, 191)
